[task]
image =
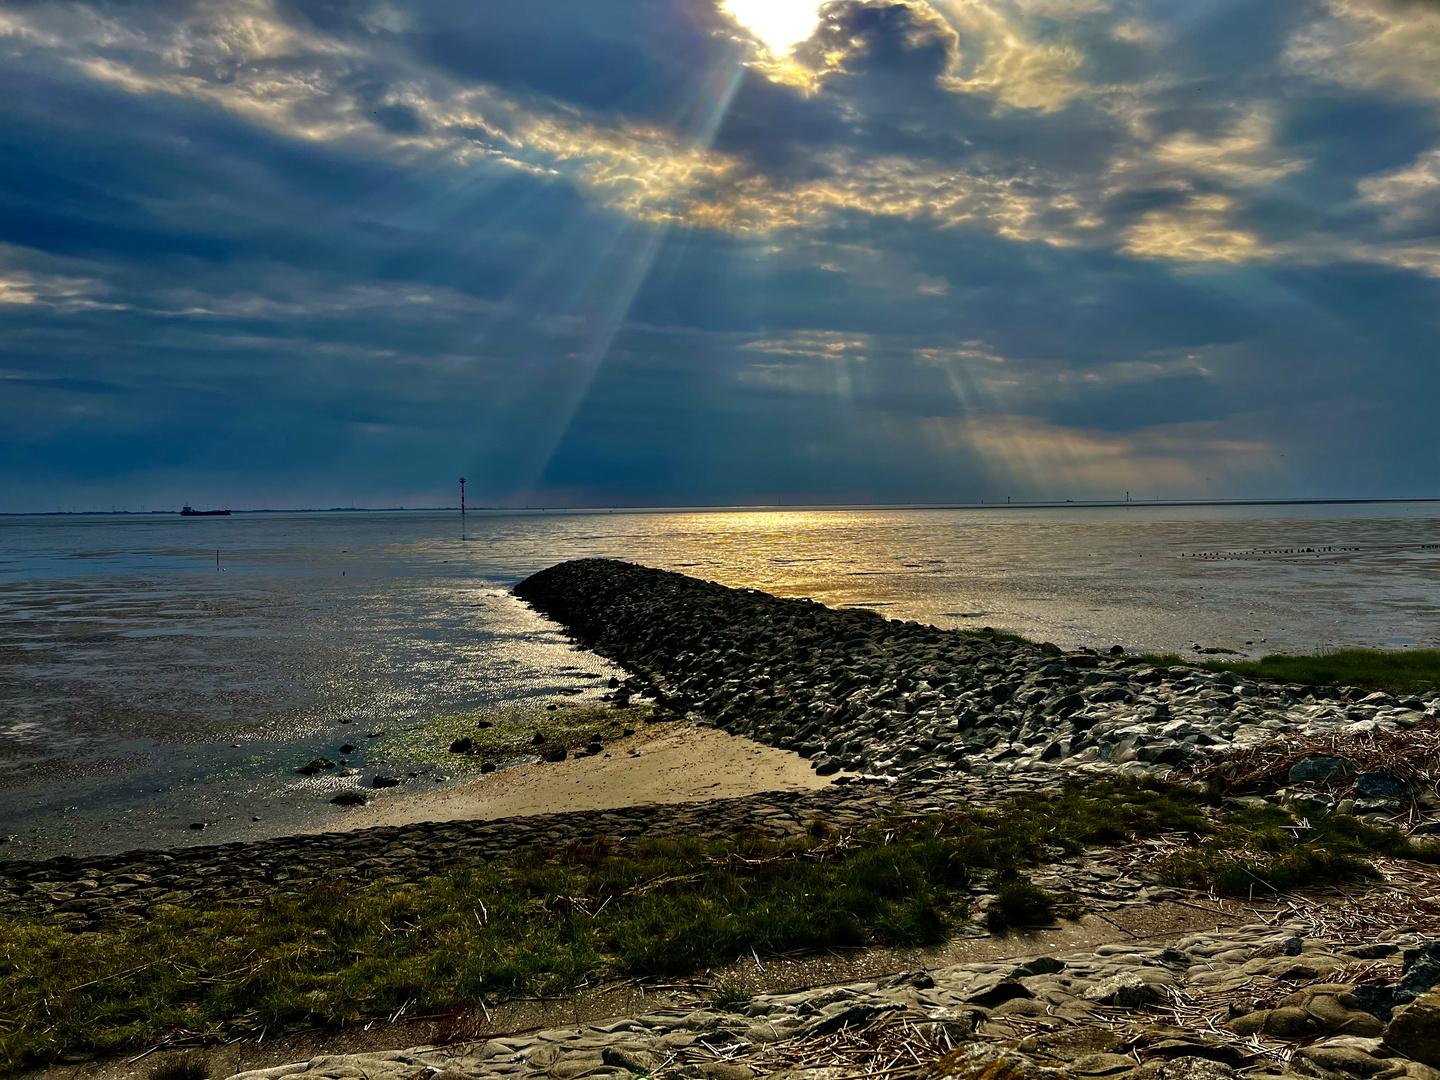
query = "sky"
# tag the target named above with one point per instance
(711, 252)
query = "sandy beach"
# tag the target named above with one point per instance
(661, 763)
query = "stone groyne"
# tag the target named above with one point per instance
(853, 691)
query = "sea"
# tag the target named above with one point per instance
(158, 671)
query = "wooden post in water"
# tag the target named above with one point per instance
(462, 496)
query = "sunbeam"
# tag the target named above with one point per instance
(576, 298)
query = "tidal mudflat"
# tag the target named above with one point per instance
(147, 685)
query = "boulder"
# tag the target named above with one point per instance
(1288, 1023)
(994, 992)
(1102, 1064)
(1041, 965)
(1183, 1068)
(1125, 990)
(1314, 769)
(1334, 1010)
(1068, 1044)
(1339, 1057)
(1415, 1029)
(1378, 784)
(1422, 972)
(1196, 1046)
(630, 1058)
(984, 1059)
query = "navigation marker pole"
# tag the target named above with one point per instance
(462, 496)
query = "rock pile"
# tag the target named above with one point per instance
(86, 893)
(1252, 1002)
(853, 691)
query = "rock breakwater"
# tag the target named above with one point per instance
(853, 691)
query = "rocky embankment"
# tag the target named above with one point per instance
(853, 691)
(104, 891)
(1257, 1002)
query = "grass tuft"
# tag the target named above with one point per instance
(991, 634)
(1410, 672)
(729, 998)
(1268, 850)
(1018, 904)
(181, 1067)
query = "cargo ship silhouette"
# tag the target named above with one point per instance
(185, 511)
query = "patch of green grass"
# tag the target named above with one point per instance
(991, 634)
(1019, 903)
(1412, 672)
(536, 922)
(1268, 849)
(729, 998)
(1166, 660)
(542, 921)
(510, 734)
(180, 1067)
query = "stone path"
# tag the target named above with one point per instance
(1259, 1001)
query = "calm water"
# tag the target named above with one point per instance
(131, 660)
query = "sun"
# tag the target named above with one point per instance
(780, 24)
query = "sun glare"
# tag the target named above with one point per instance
(780, 24)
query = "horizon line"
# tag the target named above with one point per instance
(758, 507)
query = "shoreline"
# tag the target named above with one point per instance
(790, 696)
(661, 764)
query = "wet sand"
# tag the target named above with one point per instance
(662, 763)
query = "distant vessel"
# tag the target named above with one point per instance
(187, 512)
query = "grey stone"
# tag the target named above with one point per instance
(631, 1059)
(1325, 1060)
(1415, 1029)
(1125, 990)
(1197, 1046)
(1041, 965)
(1102, 1064)
(1422, 972)
(1071, 1043)
(1378, 784)
(1183, 1068)
(1289, 1023)
(992, 993)
(1313, 769)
